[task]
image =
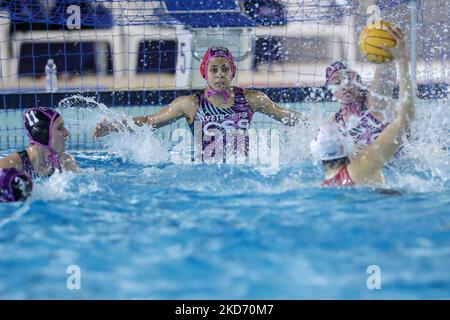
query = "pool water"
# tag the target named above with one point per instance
(139, 226)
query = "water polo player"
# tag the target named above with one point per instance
(217, 109)
(47, 151)
(334, 146)
(364, 114)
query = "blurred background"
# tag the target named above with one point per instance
(156, 45)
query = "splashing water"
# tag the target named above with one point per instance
(139, 144)
(425, 163)
(83, 113)
(425, 152)
(63, 186)
(199, 230)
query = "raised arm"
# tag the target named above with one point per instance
(382, 150)
(259, 102)
(179, 108)
(379, 93)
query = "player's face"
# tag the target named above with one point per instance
(219, 73)
(59, 135)
(345, 87)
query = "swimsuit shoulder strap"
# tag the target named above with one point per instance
(239, 95)
(240, 101)
(26, 162)
(238, 91)
(199, 93)
(23, 154)
(345, 175)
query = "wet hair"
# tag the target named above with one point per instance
(336, 163)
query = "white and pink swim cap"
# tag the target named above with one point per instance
(331, 143)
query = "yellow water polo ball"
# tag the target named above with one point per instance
(372, 38)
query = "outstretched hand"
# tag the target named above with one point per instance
(399, 51)
(105, 127)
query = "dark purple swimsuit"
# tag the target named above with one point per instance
(26, 163)
(222, 130)
(27, 166)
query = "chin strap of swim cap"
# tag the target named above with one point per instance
(224, 93)
(31, 119)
